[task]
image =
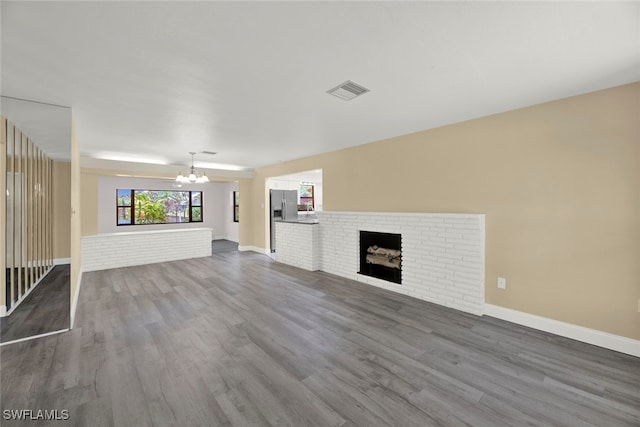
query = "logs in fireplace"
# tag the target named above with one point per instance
(381, 255)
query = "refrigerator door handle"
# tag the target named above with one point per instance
(284, 209)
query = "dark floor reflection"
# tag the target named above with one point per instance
(46, 308)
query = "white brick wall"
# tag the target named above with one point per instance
(442, 254)
(298, 245)
(115, 250)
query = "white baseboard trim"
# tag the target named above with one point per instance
(32, 337)
(568, 330)
(3, 310)
(74, 303)
(254, 249)
(61, 261)
(23, 297)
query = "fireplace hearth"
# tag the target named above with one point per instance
(381, 255)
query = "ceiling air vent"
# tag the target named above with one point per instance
(209, 152)
(348, 90)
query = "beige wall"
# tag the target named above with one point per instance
(89, 203)
(61, 176)
(559, 184)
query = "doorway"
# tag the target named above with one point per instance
(309, 199)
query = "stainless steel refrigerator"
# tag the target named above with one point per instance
(284, 206)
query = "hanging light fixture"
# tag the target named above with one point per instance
(193, 177)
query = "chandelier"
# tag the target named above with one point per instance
(193, 177)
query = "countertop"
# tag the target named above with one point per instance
(299, 221)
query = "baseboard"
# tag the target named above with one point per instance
(254, 249)
(32, 337)
(61, 261)
(14, 306)
(568, 330)
(3, 310)
(74, 303)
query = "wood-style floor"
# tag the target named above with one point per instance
(46, 309)
(222, 245)
(238, 340)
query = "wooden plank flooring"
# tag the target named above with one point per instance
(223, 245)
(46, 308)
(238, 340)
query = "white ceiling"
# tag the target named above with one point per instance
(151, 81)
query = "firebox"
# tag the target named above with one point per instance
(381, 255)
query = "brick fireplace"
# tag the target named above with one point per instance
(381, 255)
(442, 255)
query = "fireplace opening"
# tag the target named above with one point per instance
(381, 255)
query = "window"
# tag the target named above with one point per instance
(306, 198)
(236, 206)
(135, 207)
(124, 207)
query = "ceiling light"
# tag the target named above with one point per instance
(193, 177)
(129, 158)
(222, 166)
(348, 90)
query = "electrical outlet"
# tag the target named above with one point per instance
(502, 283)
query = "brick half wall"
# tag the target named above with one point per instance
(116, 250)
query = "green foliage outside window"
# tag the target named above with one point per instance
(136, 207)
(148, 211)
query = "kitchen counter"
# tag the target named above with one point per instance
(298, 244)
(299, 220)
